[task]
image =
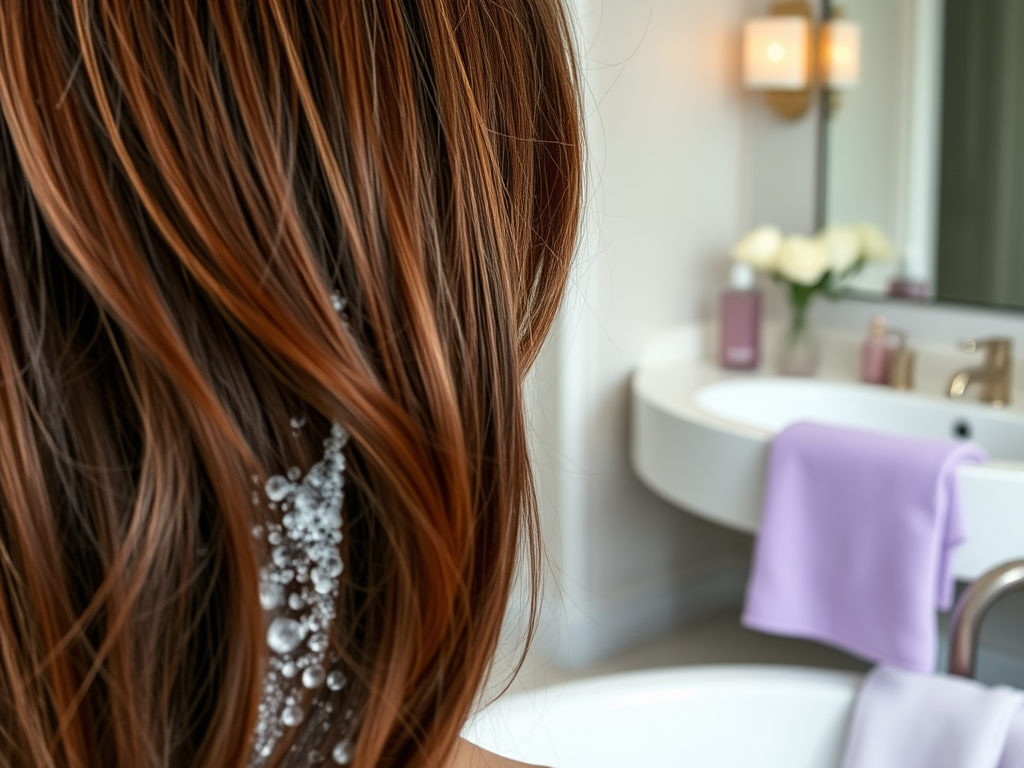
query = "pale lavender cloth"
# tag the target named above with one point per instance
(856, 539)
(910, 720)
(1013, 752)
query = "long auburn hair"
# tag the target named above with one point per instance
(182, 185)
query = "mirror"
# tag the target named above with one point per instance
(930, 147)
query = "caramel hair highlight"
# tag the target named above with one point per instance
(182, 185)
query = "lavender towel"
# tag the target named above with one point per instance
(909, 720)
(856, 541)
(1013, 752)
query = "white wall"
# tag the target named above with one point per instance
(671, 138)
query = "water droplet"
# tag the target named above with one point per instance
(321, 582)
(293, 715)
(336, 680)
(295, 601)
(289, 669)
(332, 565)
(313, 676)
(342, 752)
(305, 501)
(271, 595)
(294, 474)
(284, 635)
(318, 643)
(257, 531)
(274, 537)
(338, 301)
(298, 422)
(277, 488)
(280, 556)
(286, 576)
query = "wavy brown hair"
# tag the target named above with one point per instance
(182, 185)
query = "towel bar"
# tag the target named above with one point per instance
(970, 610)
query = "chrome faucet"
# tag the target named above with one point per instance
(965, 625)
(993, 374)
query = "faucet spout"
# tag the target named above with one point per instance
(958, 385)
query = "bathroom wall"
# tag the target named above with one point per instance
(681, 162)
(665, 129)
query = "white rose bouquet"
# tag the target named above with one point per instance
(810, 265)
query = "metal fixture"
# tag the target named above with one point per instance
(901, 361)
(970, 610)
(901, 368)
(993, 375)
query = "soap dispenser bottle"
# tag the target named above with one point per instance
(740, 321)
(874, 360)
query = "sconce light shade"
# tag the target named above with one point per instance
(775, 53)
(841, 54)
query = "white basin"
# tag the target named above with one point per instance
(700, 439)
(705, 717)
(771, 404)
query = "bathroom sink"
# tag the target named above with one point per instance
(771, 404)
(711, 717)
(700, 439)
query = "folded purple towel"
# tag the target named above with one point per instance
(856, 540)
(909, 720)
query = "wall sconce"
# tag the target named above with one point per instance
(840, 52)
(783, 56)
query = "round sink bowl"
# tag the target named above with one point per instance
(771, 404)
(711, 717)
(700, 439)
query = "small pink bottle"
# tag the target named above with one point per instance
(740, 321)
(874, 360)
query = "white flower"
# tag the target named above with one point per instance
(803, 260)
(873, 244)
(759, 248)
(844, 247)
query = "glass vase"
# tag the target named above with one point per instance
(799, 348)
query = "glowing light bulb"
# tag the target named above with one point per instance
(841, 53)
(775, 53)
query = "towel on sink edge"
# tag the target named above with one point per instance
(912, 720)
(856, 541)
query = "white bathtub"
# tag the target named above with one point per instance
(683, 717)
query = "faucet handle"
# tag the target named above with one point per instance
(999, 345)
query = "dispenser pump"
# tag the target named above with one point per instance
(741, 277)
(876, 331)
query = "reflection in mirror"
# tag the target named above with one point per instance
(882, 139)
(981, 212)
(930, 147)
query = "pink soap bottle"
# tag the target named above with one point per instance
(874, 355)
(740, 321)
